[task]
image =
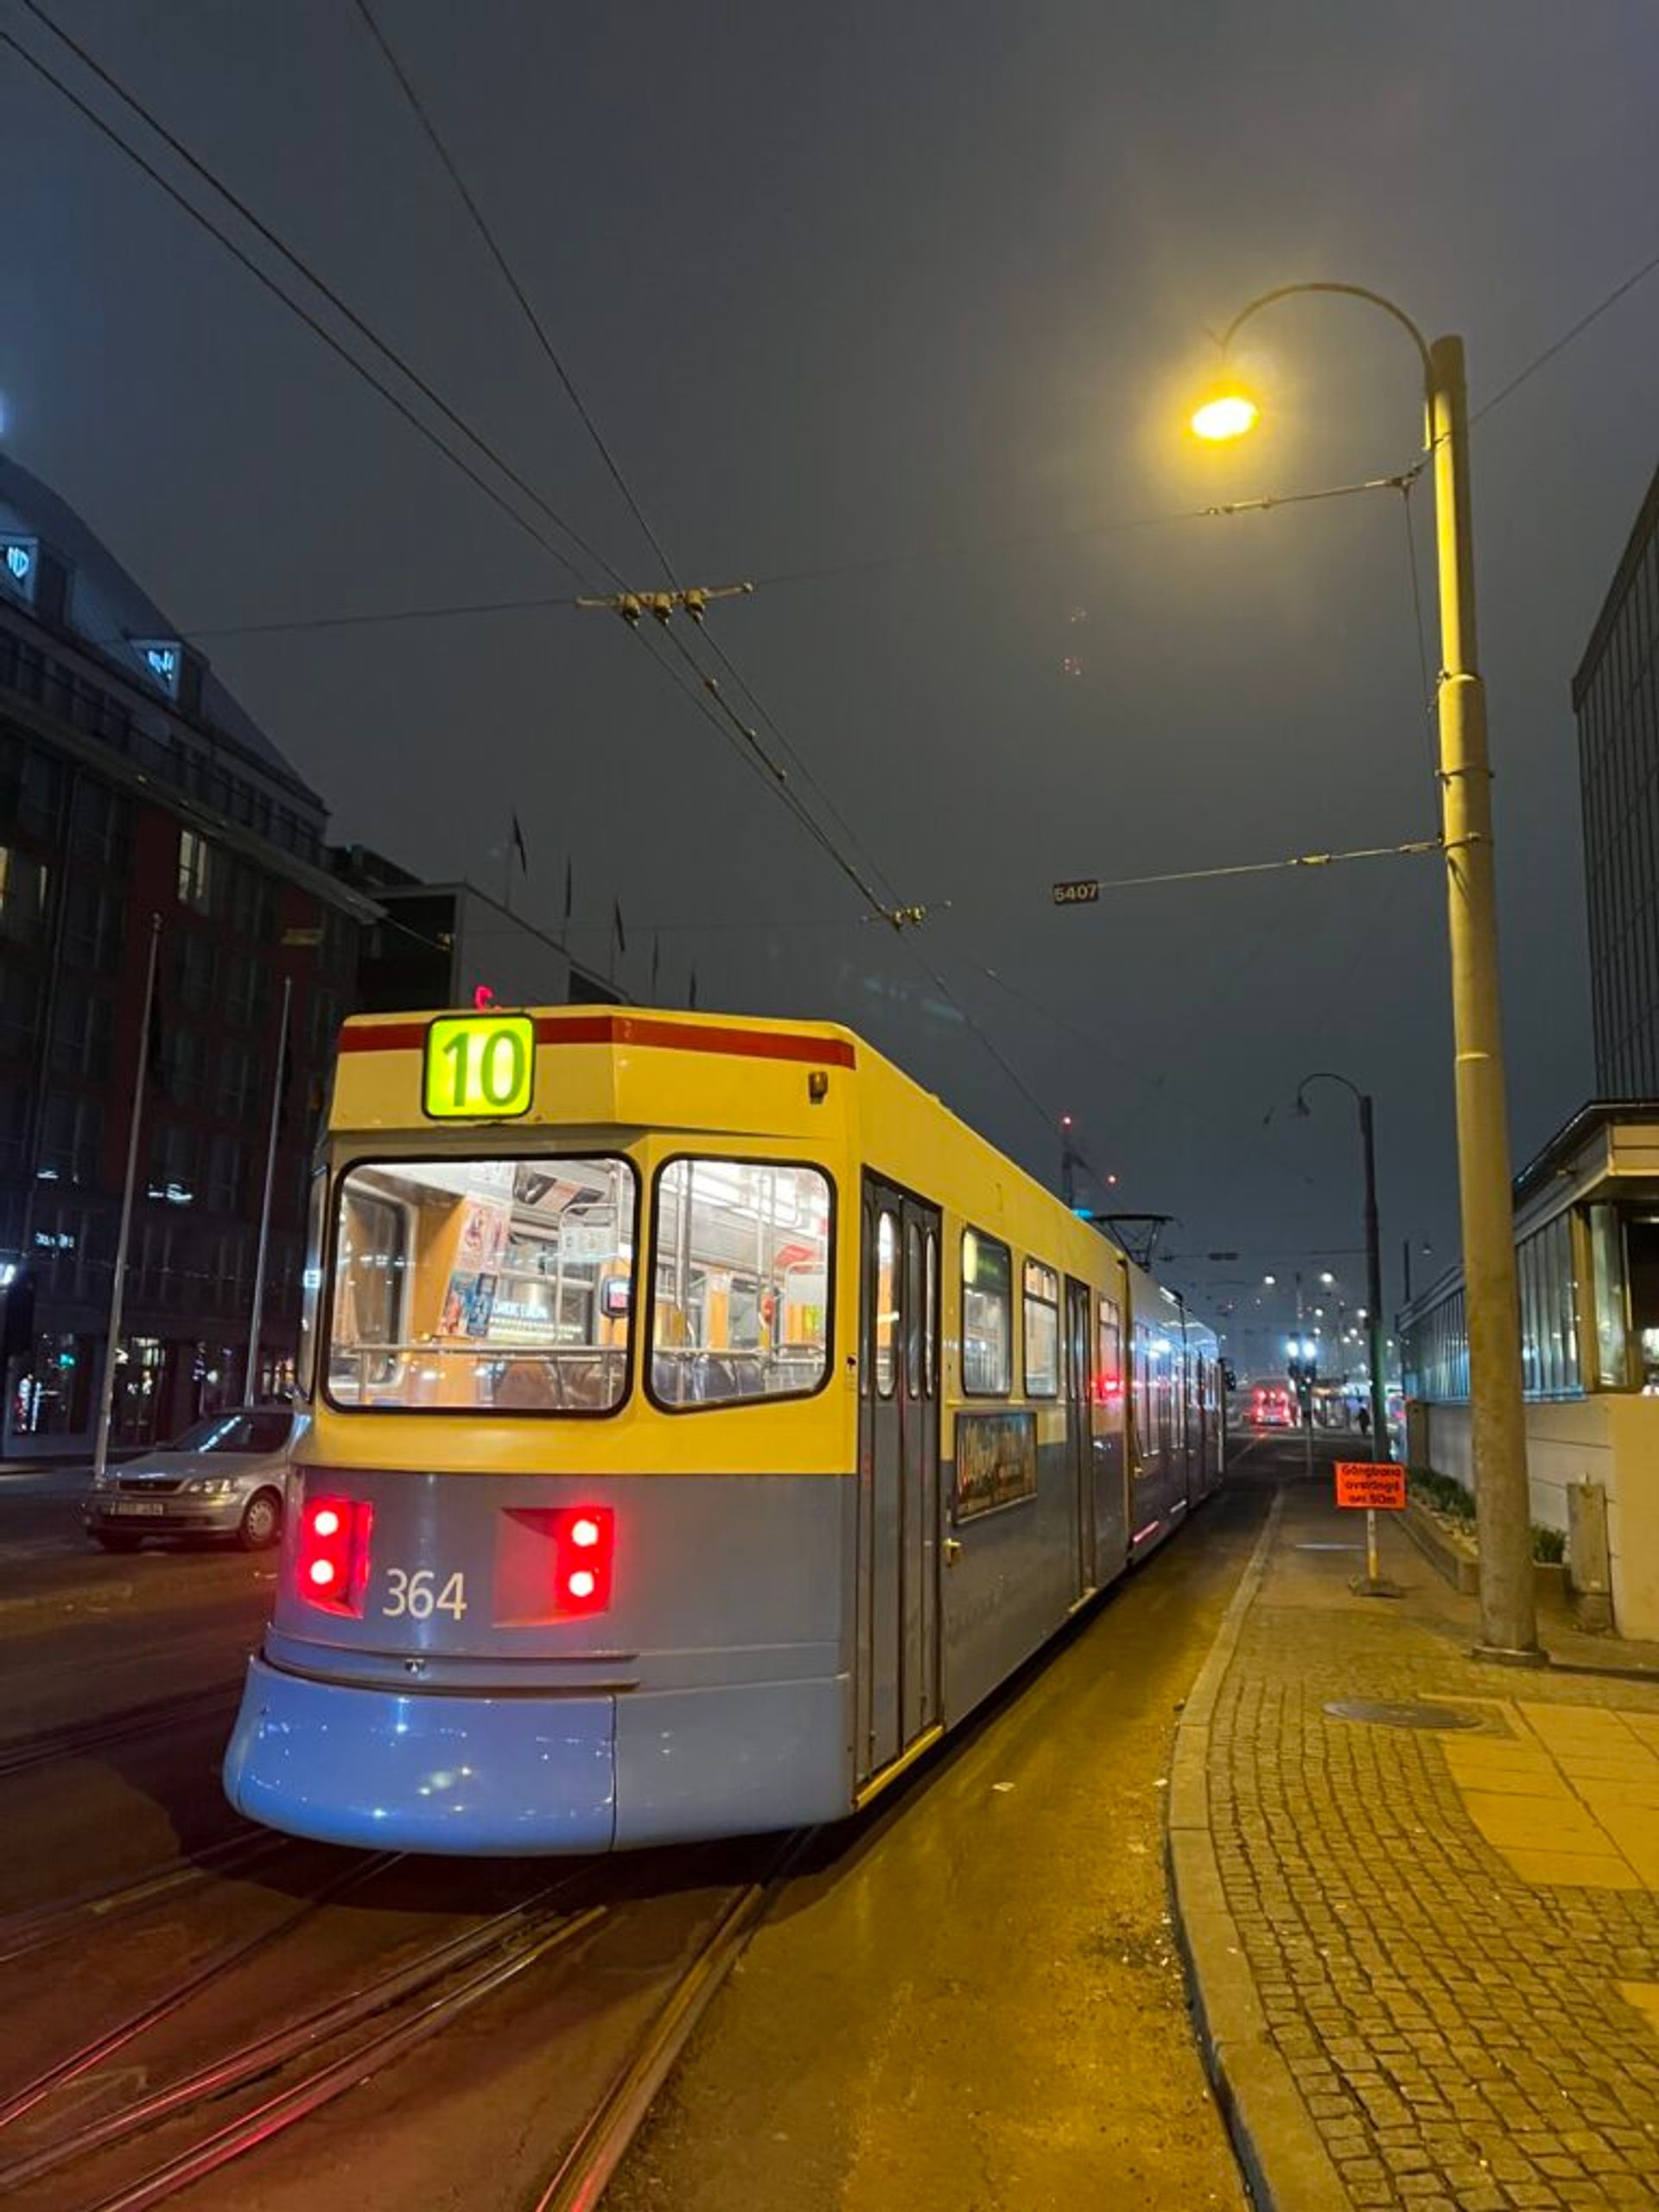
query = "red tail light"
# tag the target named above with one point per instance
(333, 1552)
(584, 1539)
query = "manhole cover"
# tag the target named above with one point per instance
(1400, 1716)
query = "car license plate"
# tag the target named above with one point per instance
(138, 1505)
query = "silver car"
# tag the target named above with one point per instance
(223, 1478)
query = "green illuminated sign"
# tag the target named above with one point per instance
(479, 1066)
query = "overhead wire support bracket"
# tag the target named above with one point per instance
(687, 599)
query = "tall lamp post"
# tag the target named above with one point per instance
(1497, 1423)
(1373, 1251)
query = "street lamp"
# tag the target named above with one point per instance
(1497, 1421)
(1371, 1314)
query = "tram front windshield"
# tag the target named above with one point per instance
(483, 1285)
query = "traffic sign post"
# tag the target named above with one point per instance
(1378, 1486)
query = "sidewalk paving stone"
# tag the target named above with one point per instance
(1453, 1935)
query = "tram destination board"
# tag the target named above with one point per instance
(479, 1067)
(1083, 891)
(1378, 1484)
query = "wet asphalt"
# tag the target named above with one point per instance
(973, 2000)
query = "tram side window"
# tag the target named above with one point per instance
(1144, 1437)
(986, 1316)
(480, 1286)
(887, 1301)
(1109, 1378)
(1042, 1319)
(741, 1266)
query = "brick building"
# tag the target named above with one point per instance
(133, 785)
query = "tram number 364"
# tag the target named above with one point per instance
(419, 1596)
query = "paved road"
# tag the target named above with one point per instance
(975, 2002)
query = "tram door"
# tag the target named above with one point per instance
(1080, 1428)
(899, 1477)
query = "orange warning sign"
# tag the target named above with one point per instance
(1376, 1482)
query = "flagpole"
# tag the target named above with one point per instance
(117, 1288)
(257, 1318)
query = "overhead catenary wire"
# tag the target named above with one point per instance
(857, 871)
(1413, 847)
(517, 290)
(303, 268)
(294, 306)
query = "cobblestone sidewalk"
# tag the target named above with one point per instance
(1464, 2027)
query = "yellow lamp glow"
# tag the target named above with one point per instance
(1226, 415)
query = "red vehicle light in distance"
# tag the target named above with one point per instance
(332, 1559)
(584, 1538)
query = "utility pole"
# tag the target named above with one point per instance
(1509, 1620)
(118, 1287)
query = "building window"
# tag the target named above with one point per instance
(71, 1126)
(227, 1168)
(1042, 1319)
(174, 1160)
(81, 1023)
(986, 1316)
(102, 825)
(53, 1394)
(24, 885)
(93, 927)
(195, 871)
(193, 970)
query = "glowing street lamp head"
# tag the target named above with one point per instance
(1225, 413)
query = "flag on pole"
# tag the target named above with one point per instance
(622, 934)
(519, 843)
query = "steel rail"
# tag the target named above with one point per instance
(279, 2047)
(312, 2093)
(213, 1968)
(77, 1738)
(587, 2166)
(33, 1928)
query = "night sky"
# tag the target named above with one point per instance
(915, 297)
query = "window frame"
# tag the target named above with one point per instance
(1027, 1300)
(648, 1246)
(322, 1350)
(982, 1237)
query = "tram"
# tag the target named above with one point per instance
(702, 1421)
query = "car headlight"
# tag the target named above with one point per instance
(210, 1485)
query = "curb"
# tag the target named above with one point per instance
(1286, 2164)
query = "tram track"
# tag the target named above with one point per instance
(36, 1928)
(423, 1995)
(579, 2181)
(175, 2132)
(131, 1724)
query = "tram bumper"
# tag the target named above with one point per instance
(464, 1776)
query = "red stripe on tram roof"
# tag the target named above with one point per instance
(627, 1029)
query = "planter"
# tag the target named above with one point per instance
(1455, 1557)
(1448, 1551)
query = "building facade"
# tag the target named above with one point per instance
(132, 786)
(1616, 697)
(436, 944)
(1586, 1229)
